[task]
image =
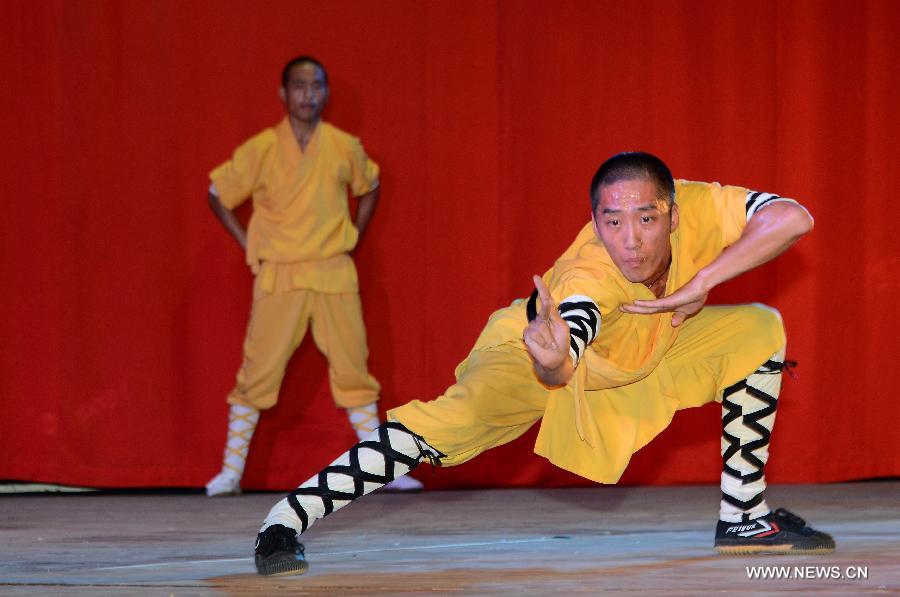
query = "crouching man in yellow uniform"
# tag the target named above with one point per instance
(619, 340)
(298, 244)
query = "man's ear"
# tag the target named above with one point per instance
(282, 94)
(673, 225)
(594, 224)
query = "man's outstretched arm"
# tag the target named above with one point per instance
(767, 235)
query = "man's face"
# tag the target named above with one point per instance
(634, 224)
(306, 92)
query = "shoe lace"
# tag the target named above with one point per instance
(775, 367)
(790, 517)
(281, 542)
(291, 544)
(789, 367)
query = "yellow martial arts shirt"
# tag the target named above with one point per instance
(620, 397)
(300, 232)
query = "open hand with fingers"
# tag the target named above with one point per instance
(547, 340)
(684, 302)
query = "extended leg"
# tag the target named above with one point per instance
(364, 420)
(494, 401)
(387, 453)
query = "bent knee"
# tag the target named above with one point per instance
(765, 316)
(766, 323)
(767, 312)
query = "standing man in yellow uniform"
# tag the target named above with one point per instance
(298, 244)
(619, 341)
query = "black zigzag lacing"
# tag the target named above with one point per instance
(583, 318)
(751, 421)
(360, 476)
(774, 368)
(771, 367)
(584, 326)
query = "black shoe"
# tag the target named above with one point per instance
(278, 553)
(776, 532)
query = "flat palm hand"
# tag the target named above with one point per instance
(683, 303)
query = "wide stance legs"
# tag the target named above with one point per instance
(496, 399)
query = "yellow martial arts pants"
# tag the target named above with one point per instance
(278, 323)
(497, 397)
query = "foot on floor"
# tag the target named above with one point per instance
(775, 533)
(278, 553)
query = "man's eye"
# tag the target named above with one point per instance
(647, 219)
(613, 222)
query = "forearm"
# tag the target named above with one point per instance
(365, 209)
(767, 235)
(228, 220)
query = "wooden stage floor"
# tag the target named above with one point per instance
(637, 540)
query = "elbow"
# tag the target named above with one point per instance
(372, 196)
(804, 221)
(799, 221)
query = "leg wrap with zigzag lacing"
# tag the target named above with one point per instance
(389, 452)
(748, 415)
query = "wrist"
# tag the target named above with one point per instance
(554, 376)
(705, 279)
(548, 371)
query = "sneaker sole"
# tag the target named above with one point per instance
(224, 493)
(748, 550)
(294, 568)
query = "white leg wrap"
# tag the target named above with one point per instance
(242, 422)
(385, 454)
(748, 415)
(363, 419)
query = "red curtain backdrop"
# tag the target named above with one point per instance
(124, 302)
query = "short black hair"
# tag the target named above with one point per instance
(632, 165)
(286, 71)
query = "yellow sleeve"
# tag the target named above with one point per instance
(364, 172)
(731, 204)
(721, 207)
(597, 285)
(238, 178)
